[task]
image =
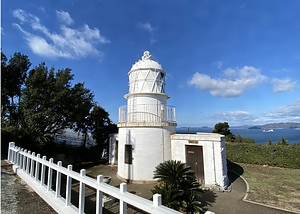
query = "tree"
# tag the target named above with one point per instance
(178, 186)
(50, 103)
(13, 76)
(222, 128)
(101, 127)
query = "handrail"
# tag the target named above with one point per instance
(147, 113)
(28, 165)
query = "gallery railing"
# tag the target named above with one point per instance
(147, 113)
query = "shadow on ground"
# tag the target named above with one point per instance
(237, 169)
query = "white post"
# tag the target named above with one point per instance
(24, 160)
(10, 145)
(28, 160)
(58, 180)
(69, 187)
(49, 183)
(37, 167)
(99, 196)
(17, 156)
(156, 200)
(81, 193)
(123, 205)
(43, 171)
(21, 159)
(32, 165)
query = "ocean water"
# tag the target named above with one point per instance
(260, 137)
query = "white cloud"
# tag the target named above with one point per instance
(290, 113)
(283, 85)
(234, 116)
(235, 83)
(218, 64)
(147, 26)
(68, 43)
(64, 17)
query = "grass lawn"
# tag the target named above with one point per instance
(279, 187)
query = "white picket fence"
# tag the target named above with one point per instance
(27, 165)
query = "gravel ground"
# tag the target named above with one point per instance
(17, 197)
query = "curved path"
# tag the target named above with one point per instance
(232, 202)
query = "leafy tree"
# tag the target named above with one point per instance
(222, 128)
(13, 75)
(50, 104)
(178, 186)
(101, 127)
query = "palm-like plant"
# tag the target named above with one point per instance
(178, 186)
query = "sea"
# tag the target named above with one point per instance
(260, 137)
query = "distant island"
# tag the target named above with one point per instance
(277, 126)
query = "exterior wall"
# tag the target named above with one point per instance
(113, 138)
(150, 147)
(214, 155)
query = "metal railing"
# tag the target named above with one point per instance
(38, 173)
(147, 113)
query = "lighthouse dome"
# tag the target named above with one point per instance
(146, 62)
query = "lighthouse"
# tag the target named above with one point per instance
(147, 134)
(145, 123)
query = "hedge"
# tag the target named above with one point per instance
(274, 155)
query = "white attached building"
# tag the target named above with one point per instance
(147, 135)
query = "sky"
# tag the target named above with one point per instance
(235, 61)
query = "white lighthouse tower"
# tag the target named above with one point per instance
(145, 123)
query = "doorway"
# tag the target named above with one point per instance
(194, 159)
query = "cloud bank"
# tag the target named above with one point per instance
(69, 42)
(236, 82)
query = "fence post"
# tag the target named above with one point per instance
(32, 165)
(17, 156)
(21, 158)
(123, 205)
(99, 196)
(49, 183)
(37, 167)
(10, 146)
(69, 187)
(157, 200)
(43, 171)
(58, 180)
(82, 192)
(28, 162)
(24, 160)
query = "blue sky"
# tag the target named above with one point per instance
(235, 61)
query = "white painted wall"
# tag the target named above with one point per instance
(151, 146)
(214, 155)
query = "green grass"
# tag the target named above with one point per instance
(279, 187)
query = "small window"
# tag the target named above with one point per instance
(128, 154)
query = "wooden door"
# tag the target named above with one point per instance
(194, 158)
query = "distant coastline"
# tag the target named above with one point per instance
(289, 131)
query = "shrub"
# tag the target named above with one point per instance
(273, 154)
